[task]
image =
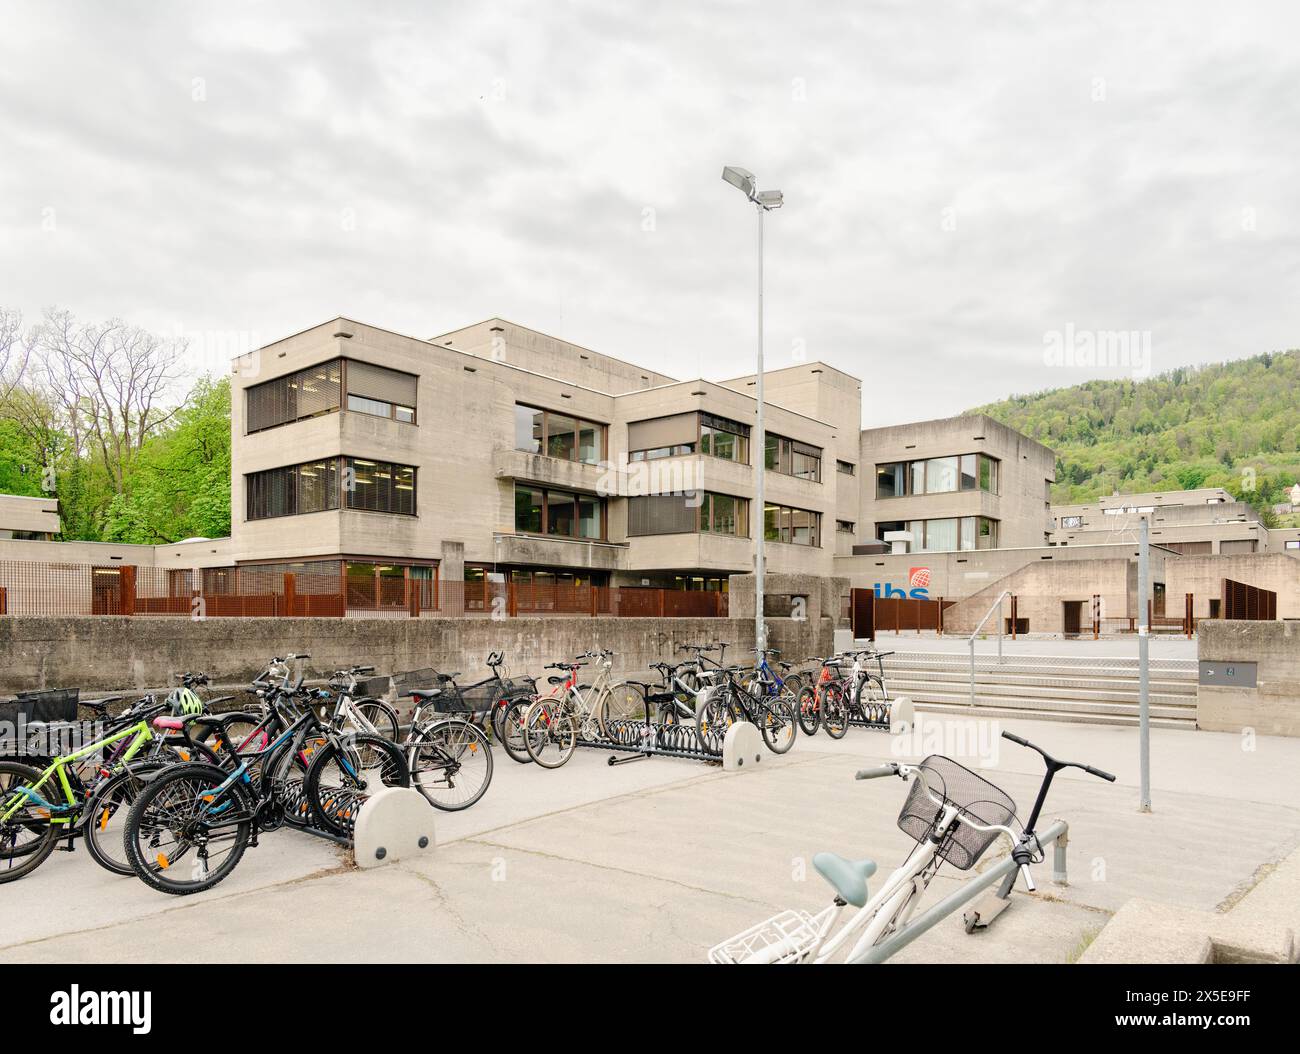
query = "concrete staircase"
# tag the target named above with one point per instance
(1094, 689)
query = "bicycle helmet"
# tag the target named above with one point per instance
(183, 702)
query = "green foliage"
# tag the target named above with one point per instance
(20, 462)
(1231, 425)
(179, 484)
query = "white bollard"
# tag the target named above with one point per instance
(742, 747)
(902, 715)
(394, 823)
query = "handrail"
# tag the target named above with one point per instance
(996, 606)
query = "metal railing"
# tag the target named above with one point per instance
(970, 641)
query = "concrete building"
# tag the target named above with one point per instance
(28, 519)
(495, 452)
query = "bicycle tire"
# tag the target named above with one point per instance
(445, 745)
(14, 775)
(876, 705)
(186, 783)
(359, 762)
(810, 715)
(622, 702)
(381, 715)
(776, 719)
(112, 801)
(512, 731)
(547, 723)
(835, 718)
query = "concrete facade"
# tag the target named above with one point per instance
(1018, 502)
(112, 653)
(1272, 707)
(23, 517)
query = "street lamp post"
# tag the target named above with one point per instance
(763, 201)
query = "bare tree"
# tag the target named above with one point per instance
(15, 352)
(112, 380)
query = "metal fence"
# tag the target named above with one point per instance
(47, 589)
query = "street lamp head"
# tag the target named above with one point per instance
(770, 199)
(741, 179)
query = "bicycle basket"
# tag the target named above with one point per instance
(55, 704)
(973, 795)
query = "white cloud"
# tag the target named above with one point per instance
(960, 180)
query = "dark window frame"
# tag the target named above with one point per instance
(578, 421)
(576, 505)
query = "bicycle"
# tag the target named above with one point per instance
(723, 704)
(79, 793)
(954, 815)
(552, 725)
(812, 698)
(307, 771)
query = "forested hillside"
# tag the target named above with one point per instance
(1233, 425)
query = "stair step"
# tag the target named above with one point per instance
(1129, 696)
(1065, 705)
(1051, 715)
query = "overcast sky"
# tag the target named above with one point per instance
(967, 185)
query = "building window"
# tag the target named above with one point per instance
(559, 513)
(937, 475)
(844, 526)
(720, 437)
(724, 514)
(293, 490)
(680, 450)
(793, 458)
(380, 392)
(948, 534)
(1071, 521)
(379, 486)
(1292, 544)
(792, 526)
(845, 468)
(558, 435)
(294, 397)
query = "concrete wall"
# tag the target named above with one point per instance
(1041, 591)
(1273, 706)
(1020, 506)
(1203, 577)
(111, 654)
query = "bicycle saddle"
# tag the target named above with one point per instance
(423, 693)
(847, 877)
(556, 679)
(448, 676)
(174, 724)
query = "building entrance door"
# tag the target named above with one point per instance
(1072, 617)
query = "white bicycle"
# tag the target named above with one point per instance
(954, 815)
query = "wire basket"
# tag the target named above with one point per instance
(54, 704)
(975, 797)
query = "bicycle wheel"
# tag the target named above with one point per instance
(623, 703)
(27, 837)
(381, 715)
(713, 717)
(870, 700)
(451, 764)
(835, 715)
(104, 824)
(344, 772)
(513, 735)
(182, 834)
(778, 722)
(550, 733)
(810, 715)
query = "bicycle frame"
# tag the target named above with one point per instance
(58, 767)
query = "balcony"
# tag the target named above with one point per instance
(556, 472)
(536, 550)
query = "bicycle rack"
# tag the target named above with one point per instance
(643, 739)
(297, 813)
(877, 717)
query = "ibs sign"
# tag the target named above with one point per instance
(918, 586)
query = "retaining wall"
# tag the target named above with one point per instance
(1272, 707)
(107, 653)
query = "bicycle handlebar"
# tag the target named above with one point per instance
(1055, 764)
(875, 773)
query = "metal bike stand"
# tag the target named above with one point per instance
(1057, 835)
(638, 740)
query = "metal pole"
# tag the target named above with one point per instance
(759, 454)
(1144, 662)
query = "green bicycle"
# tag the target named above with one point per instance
(79, 793)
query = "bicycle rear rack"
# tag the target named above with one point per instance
(643, 739)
